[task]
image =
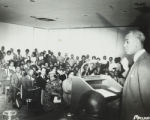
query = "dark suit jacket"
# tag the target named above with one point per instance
(27, 83)
(136, 91)
(41, 82)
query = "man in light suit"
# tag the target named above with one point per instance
(136, 91)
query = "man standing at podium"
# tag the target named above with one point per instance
(136, 91)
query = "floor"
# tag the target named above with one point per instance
(59, 113)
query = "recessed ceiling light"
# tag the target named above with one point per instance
(144, 9)
(124, 11)
(32, 0)
(43, 19)
(85, 15)
(6, 6)
(110, 6)
(140, 3)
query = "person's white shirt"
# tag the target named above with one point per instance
(111, 66)
(8, 58)
(104, 61)
(125, 64)
(138, 54)
(33, 60)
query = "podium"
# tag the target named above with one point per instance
(102, 84)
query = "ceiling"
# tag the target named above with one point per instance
(53, 14)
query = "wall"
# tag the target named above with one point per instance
(95, 41)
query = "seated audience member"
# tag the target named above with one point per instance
(67, 88)
(27, 83)
(66, 56)
(67, 62)
(60, 58)
(2, 54)
(119, 67)
(52, 89)
(83, 60)
(112, 64)
(84, 72)
(27, 55)
(98, 59)
(92, 69)
(27, 65)
(3, 50)
(72, 61)
(15, 83)
(8, 56)
(33, 58)
(105, 65)
(77, 60)
(47, 67)
(11, 66)
(62, 73)
(104, 60)
(87, 58)
(40, 59)
(19, 57)
(36, 71)
(36, 52)
(76, 71)
(3, 77)
(8, 73)
(41, 79)
(97, 71)
(13, 54)
(53, 58)
(93, 57)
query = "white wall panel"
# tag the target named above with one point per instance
(93, 41)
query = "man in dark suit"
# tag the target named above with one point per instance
(15, 83)
(27, 83)
(136, 91)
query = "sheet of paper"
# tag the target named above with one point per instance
(113, 89)
(105, 93)
(56, 100)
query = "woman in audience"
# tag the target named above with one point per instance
(67, 88)
(27, 83)
(11, 66)
(8, 56)
(33, 58)
(52, 89)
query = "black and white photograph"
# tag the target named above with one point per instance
(74, 59)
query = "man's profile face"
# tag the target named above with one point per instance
(130, 44)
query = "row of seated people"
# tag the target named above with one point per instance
(28, 73)
(41, 88)
(48, 59)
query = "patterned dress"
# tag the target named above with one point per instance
(52, 89)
